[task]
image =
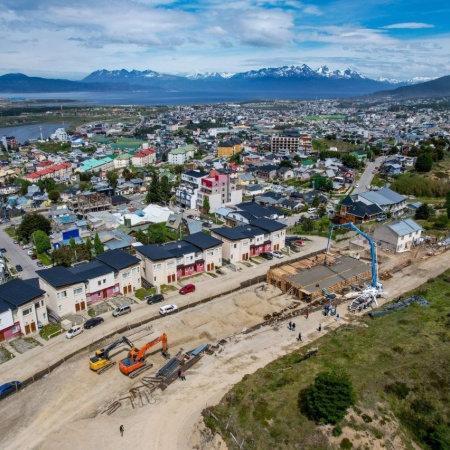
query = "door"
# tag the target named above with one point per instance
(33, 327)
(27, 329)
(77, 307)
(2, 336)
(105, 293)
(83, 305)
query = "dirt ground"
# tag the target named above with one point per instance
(64, 409)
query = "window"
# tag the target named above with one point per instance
(104, 280)
(37, 305)
(170, 264)
(234, 245)
(135, 270)
(115, 288)
(27, 311)
(59, 308)
(126, 275)
(157, 266)
(78, 291)
(99, 283)
(62, 294)
(44, 316)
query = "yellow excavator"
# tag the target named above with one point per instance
(100, 362)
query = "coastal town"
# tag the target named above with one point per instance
(154, 225)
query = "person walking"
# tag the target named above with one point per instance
(179, 373)
(320, 327)
(293, 326)
(121, 429)
(306, 314)
(290, 325)
(299, 336)
(337, 317)
(183, 376)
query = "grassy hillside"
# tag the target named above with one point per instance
(399, 365)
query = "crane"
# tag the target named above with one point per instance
(135, 362)
(375, 287)
(100, 362)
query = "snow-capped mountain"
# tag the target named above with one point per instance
(125, 76)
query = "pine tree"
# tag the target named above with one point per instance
(165, 189)
(206, 205)
(98, 246)
(154, 190)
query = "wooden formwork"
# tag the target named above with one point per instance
(281, 277)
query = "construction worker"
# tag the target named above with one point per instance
(121, 429)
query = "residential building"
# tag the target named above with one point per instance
(247, 212)
(220, 190)
(22, 308)
(399, 236)
(122, 161)
(181, 154)
(229, 147)
(60, 135)
(87, 203)
(187, 192)
(293, 141)
(165, 264)
(54, 171)
(144, 158)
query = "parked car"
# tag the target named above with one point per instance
(15, 241)
(121, 310)
(154, 298)
(30, 252)
(40, 264)
(381, 217)
(356, 185)
(2, 250)
(74, 331)
(91, 323)
(299, 242)
(190, 216)
(26, 246)
(8, 388)
(266, 255)
(167, 309)
(187, 289)
(207, 225)
(277, 254)
(19, 268)
(312, 210)
(33, 256)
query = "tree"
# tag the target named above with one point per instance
(88, 244)
(41, 241)
(66, 255)
(112, 178)
(98, 246)
(156, 233)
(327, 400)
(350, 161)
(441, 221)
(154, 190)
(323, 223)
(165, 189)
(48, 184)
(31, 223)
(286, 163)
(316, 201)
(53, 195)
(25, 184)
(423, 212)
(206, 205)
(72, 242)
(307, 224)
(424, 162)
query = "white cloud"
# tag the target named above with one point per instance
(408, 25)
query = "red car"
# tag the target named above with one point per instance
(187, 289)
(33, 256)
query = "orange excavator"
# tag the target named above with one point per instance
(135, 363)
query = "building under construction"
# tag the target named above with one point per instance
(309, 277)
(85, 204)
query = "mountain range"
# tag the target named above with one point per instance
(296, 82)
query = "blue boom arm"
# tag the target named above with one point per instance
(373, 254)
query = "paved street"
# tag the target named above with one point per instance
(366, 178)
(16, 255)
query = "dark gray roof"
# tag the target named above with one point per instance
(257, 210)
(231, 234)
(195, 173)
(118, 259)
(202, 240)
(90, 270)
(59, 276)
(180, 248)
(268, 224)
(18, 292)
(4, 306)
(154, 252)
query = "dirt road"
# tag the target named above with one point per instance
(63, 410)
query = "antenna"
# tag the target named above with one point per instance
(62, 115)
(40, 132)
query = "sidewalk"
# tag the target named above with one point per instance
(39, 358)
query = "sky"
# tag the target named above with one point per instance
(378, 38)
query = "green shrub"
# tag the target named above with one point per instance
(328, 399)
(398, 388)
(346, 444)
(337, 431)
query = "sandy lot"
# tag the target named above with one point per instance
(64, 409)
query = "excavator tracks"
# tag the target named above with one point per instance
(104, 369)
(137, 372)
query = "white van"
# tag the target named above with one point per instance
(167, 309)
(121, 310)
(312, 210)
